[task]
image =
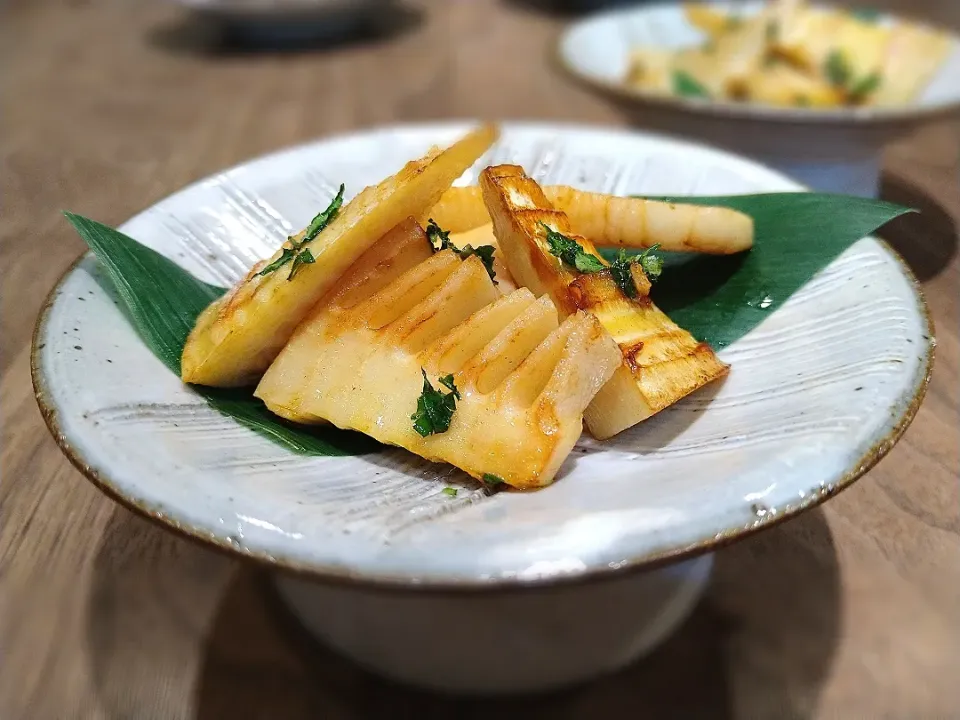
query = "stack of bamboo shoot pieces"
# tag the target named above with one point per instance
(368, 325)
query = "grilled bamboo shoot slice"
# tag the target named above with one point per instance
(524, 377)
(237, 337)
(661, 361)
(614, 221)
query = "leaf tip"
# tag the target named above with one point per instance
(78, 221)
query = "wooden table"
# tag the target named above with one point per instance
(850, 611)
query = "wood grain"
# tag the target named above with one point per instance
(851, 610)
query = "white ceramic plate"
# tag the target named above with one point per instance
(817, 393)
(597, 51)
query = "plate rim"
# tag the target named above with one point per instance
(888, 118)
(395, 582)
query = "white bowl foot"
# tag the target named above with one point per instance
(500, 642)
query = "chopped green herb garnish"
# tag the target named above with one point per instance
(801, 101)
(652, 266)
(304, 257)
(452, 492)
(686, 85)
(772, 31)
(868, 15)
(297, 253)
(865, 86)
(449, 384)
(434, 409)
(840, 75)
(563, 247)
(837, 69)
(571, 252)
(485, 253)
(733, 22)
(440, 240)
(286, 256)
(323, 219)
(587, 263)
(438, 237)
(620, 271)
(491, 479)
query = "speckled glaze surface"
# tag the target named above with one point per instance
(817, 394)
(836, 150)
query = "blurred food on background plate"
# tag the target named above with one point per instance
(794, 54)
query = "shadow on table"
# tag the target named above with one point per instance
(927, 241)
(568, 7)
(174, 630)
(153, 598)
(198, 35)
(758, 647)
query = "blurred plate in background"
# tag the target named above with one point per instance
(833, 149)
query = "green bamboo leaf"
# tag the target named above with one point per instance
(721, 298)
(161, 298)
(162, 301)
